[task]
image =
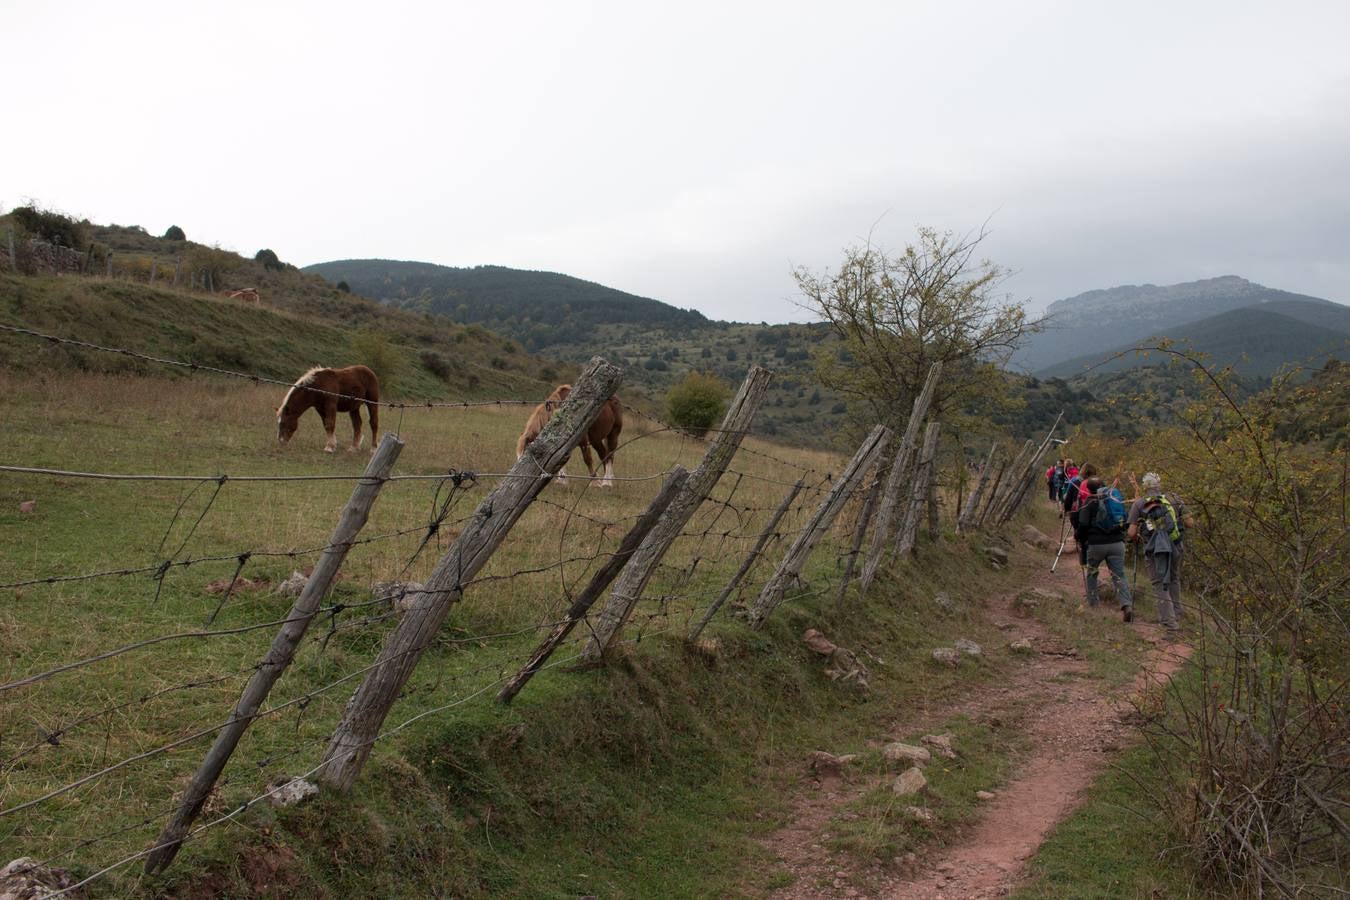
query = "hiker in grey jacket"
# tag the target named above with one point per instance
(1099, 525)
(1161, 520)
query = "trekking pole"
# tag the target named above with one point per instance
(1063, 539)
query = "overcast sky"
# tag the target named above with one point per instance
(696, 152)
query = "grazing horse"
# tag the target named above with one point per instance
(603, 435)
(331, 391)
(246, 295)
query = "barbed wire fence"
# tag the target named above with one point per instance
(86, 735)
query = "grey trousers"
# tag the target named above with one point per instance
(1114, 557)
(1164, 572)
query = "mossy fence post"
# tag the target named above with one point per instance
(890, 494)
(480, 537)
(918, 491)
(789, 569)
(860, 534)
(282, 651)
(969, 512)
(599, 581)
(765, 535)
(623, 597)
(1028, 477)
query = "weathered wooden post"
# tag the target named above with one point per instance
(966, 520)
(177, 269)
(934, 528)
(859, 533)
(351, 743)
(13, 258)
(269, 671)
(890, 494)
(791, 565)
(1019, 493)
(628, 588)
(110, 256)
(765, 535)
(990, 494)
(599, 581)
(918, 489)
(1009, 481)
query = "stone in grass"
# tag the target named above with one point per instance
(1021, 646)
(944, 602)
(399, 594)
(292, 586)
(947, 656)
(920, 813)
(1026, 603)
(27, 879)
(828, 765)
(1037, 538)
(909, 782)
(968, 647)
(940, 743)
(985, 795)
(898, 752)
(287, 791)
(998, 557)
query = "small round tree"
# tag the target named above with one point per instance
(269, 259)
(174, 233)
(697, 402)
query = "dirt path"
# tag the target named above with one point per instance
(1071, 726)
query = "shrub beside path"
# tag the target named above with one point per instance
(1071, 725)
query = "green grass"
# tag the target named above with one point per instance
(647, 777)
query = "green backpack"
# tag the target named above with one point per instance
(1160, 514)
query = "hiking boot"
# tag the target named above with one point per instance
(1127, 614)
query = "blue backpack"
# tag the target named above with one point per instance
(1110, 514)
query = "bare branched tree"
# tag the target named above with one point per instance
(896, 315)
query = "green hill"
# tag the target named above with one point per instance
(539, 309)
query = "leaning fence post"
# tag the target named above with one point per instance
(791, 565)
(966, 520)
(1014, 500)
(890, 494)
(770, 528)
(918, 487)
(269, 671)
(1008, 481)
(351, 743)
(859, 532)
(599, 581)
(993, 491)
(630, 584)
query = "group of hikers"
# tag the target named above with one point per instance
(1154, 521)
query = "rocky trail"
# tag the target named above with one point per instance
(1071, 726)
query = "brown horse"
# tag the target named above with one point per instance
(331, 391)
(603, 435)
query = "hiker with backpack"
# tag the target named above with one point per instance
(1099, 527)
(1159, 519)
(1054, 480)
(1073, 494)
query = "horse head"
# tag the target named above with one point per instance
(287, 421)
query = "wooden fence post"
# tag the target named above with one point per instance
(993, 490)
(966, 520)
(890, 494)
(628, 588)
(1028, 478)
(154, 270)
(859, 533)
(13, 259)
(599, 581)
(791, 565)
(934, 515)
(1008, 481)
(177, 269)
(110, 256)
(918, 488)
(269, 671)
(765, 534)
(351, 743)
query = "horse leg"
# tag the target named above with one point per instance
(329, 414)
(373, 413)
(586, 455)
(611, 445)
(356, 430)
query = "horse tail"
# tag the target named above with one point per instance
(373, 408)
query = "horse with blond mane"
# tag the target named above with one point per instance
(603, 435)
(329, 392)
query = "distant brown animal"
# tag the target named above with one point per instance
(603, 435)
(246, 295)
(331, 391)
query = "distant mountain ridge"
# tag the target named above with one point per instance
(1256, 340)
(1114, 316)
(539, 309)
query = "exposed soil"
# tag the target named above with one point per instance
(1072, 727)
